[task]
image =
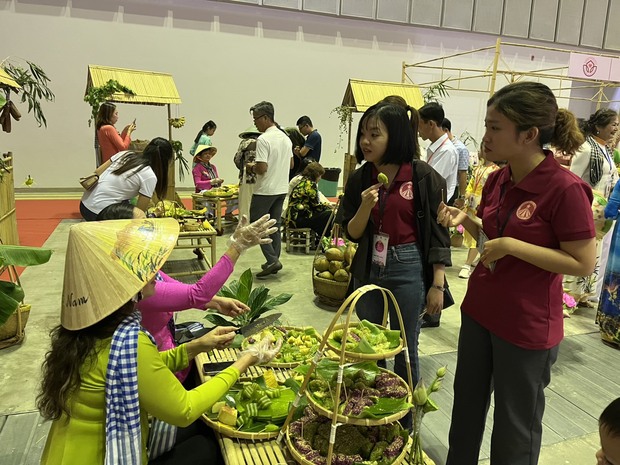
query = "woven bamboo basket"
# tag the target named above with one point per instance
(12, 332)
(362, 421)
(329, 291)
(300, 459)
(359, 356)
(231, 432)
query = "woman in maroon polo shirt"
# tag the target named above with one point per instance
(534, 224)
(401, 245)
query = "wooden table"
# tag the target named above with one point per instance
(203, 238)
(214, 205)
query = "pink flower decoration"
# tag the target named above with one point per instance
(460, 229)
(569, 301)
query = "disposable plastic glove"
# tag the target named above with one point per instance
(264, 350)
(248, 235)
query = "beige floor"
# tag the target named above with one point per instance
(20, 366)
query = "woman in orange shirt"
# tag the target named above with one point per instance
(108, 138)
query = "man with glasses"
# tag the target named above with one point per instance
(273, 153)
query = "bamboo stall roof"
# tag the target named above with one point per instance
(6, 80)
(151, 88)
(362, 94)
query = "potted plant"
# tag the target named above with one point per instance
(13, 312)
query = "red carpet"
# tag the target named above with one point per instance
(37, 219)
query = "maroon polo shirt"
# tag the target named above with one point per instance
(396, 207)
(520, 302)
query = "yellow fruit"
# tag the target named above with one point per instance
(334, 254)
(321, 264)
(326, 275)
(335, 266)
(341, 275)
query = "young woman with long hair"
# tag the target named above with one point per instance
(108, 138)
(128, 175)
(204, 136)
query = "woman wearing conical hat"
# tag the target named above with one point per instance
(104, 376)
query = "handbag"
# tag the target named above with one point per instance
(90, 181)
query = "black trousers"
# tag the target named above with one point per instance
(517, 378)
(195, 445)
(317, 222)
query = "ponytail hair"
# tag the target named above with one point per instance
(533, 105)
(208, 125)
(567, 136)
(414, 118)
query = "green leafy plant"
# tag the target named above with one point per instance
(345, 117)
(435, 92)
(469, 140)
(177, 148)
(95, 96)
(34, 87)
(258, 299)
(12, 293)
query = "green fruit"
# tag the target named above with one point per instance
(383, 179)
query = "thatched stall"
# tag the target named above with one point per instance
(149, 87)
(360, 95)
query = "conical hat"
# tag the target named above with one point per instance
(109, 262)
(250, 131)
(202, 148)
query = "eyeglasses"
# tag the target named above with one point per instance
(258, 117)
(302, 126)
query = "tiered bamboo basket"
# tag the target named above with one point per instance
(8, 218)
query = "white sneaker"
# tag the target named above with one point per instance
(465, 270)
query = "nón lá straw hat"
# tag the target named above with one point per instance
(202, 148)
(108, 263)
(249, 132)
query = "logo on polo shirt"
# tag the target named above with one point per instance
(406, 190)
(526, 210)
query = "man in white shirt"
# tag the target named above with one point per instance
(444, 158)
(463, 168)
(441, 154)
(273, 154)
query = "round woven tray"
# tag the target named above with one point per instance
(274, 364)
(300, 459)
(231, 432)
(360, 356)
(361, 421)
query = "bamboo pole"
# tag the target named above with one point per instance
(450, 56)
(403, 72)
(495, 62)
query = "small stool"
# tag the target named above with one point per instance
(299, 238)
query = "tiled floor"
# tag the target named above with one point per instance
(584, 378)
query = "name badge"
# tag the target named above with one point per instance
(380, 248)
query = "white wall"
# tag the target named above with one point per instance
(224, 58)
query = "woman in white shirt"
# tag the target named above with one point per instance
(130, 174)
(594, 163)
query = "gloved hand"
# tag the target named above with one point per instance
(248, 235)
(264, 350)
